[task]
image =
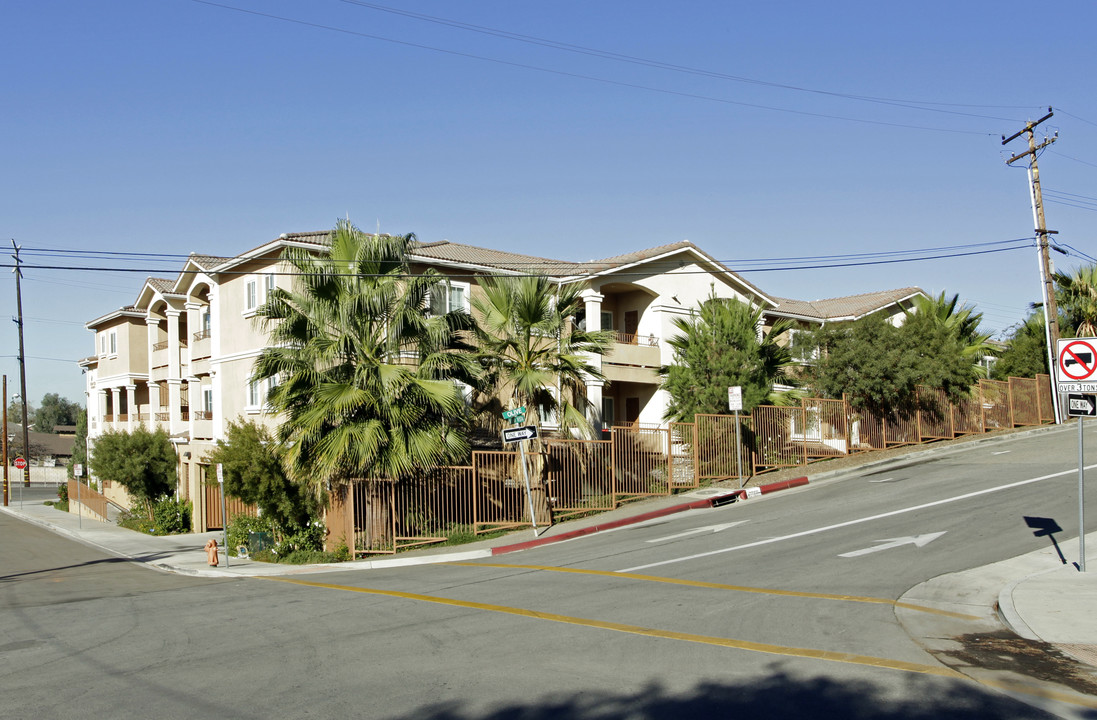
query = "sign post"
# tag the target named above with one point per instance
(518, 435)
(224, 515)
(735, 404)
(1077, 372)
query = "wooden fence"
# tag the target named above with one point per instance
(574, 477)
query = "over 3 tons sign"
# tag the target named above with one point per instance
(1077, 365)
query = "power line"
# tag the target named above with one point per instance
(622, 273)
(582, 76)
(647, 62)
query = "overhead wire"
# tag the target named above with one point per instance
(647, 62)
(582, 76)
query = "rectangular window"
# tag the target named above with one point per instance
(113, 342)
(206, 320)
(103, 344)
(608, 417)
(251, 294)
(268, 284)
(207, 400)
(253, 394)
(448, 296)
(607, 320)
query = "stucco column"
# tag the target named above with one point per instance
(154, 332)
(194, 324)
(194, 396)
(594, 396)
(131, 407)
(101, 405)
(173, 346)
(115, 394)
(175, 421)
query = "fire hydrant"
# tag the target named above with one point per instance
(211, 552)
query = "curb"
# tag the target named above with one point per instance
(710, 502)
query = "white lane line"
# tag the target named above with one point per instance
(884, 480)
(848, 523)
(1002, 452)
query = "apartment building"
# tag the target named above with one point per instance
(181, 356)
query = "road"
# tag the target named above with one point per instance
(781, 607)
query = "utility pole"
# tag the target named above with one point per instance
(5, 441)
(1051, 309)
(22, 365)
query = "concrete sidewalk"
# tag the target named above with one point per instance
(1038, 595)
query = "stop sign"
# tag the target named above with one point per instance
(20, 463)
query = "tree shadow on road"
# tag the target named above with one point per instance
(780, 697)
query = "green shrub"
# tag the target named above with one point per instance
(137, 522)
(241, 525)
(171, 516)
(63, 493)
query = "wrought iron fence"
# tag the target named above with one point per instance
(571, 477)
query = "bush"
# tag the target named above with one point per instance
(241, 525)
(63, 493)
(171, 516)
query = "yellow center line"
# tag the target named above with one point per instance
(841, 657)
(721, 586)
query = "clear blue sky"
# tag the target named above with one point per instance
(176, 126)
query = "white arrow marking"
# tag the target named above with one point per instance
(917, 541)
(884, 480)
(697, 531)
(1001, 452)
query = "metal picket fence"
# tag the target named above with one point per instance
(571, 477)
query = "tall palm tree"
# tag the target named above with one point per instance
(532, 352)
(363, 372)
(1076, 294)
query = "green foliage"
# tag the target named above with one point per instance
(1026, 350)
(1076, 296)
(171, 516)
(63, 492)
(719, 348)
(253, 473)
(364, 372)
(241, 525)
(878, 366)
(531, 351)
(143, 462)
(168, 517)
(53, 411)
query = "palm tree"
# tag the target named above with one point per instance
(960, 322)
(1076, 295)
(363, 374)
(533, 353)
(719, 347)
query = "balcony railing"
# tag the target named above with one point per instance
(201, 334)
(162, 345)
(163, 417)
(634, 339)
(203, 415)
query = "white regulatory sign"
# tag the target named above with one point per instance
(735, 398)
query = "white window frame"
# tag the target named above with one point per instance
(253, 399)
(251, 295)
(113, 342)
(801, 355)
(207, 399)
(269, 283)
(449, 286)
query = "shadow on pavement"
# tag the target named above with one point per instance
(1046, 527)
(780, 697)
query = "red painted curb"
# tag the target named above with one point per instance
(694, 505)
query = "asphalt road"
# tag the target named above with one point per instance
(781, 607)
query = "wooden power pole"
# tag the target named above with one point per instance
(1051, 309)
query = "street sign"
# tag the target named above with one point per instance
(515, 414)
(1081, 405)
(20, 463)
(518, 434)
(1077, 360)
(735, 398)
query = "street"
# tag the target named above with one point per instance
(784, 606)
